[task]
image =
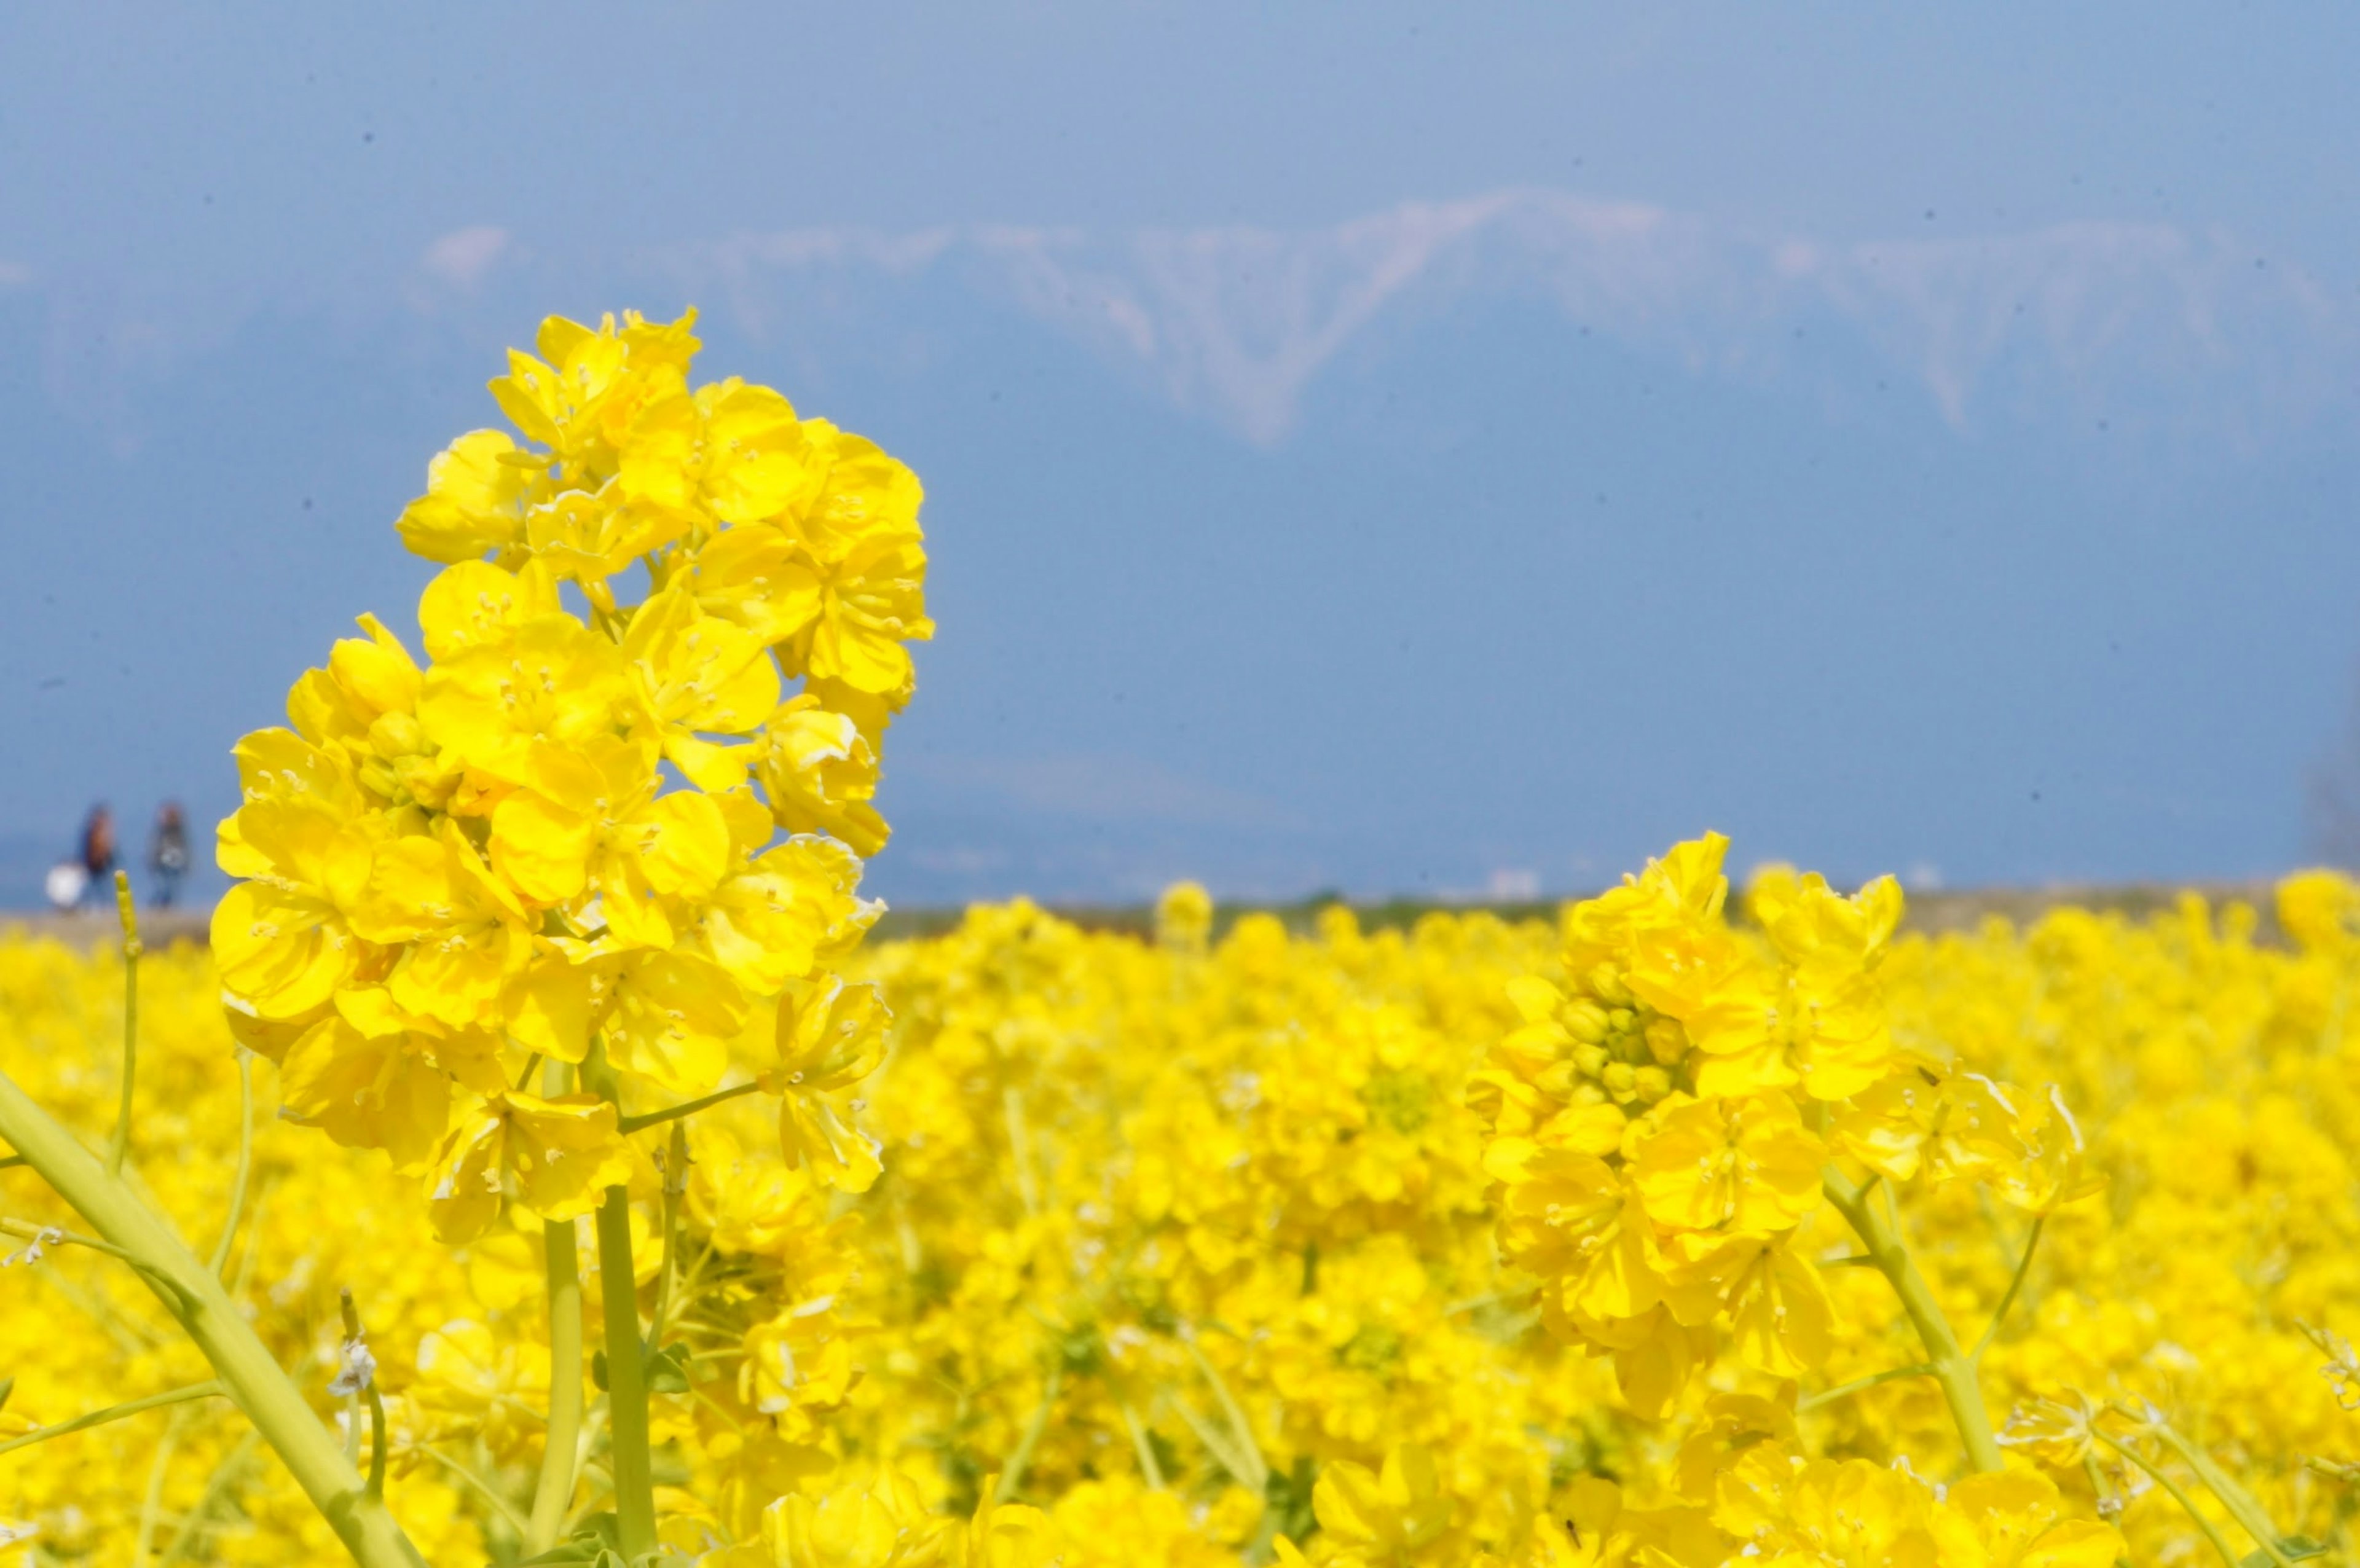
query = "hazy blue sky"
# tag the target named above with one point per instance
(1369, 445)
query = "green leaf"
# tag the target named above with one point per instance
(597, 1542)
(2295, 1547)
(598, 1370)
(667, 1369)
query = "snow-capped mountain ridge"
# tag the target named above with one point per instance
(1236, 324)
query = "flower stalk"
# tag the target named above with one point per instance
(1949, 1364)
(627, 1378)
(552, 1493)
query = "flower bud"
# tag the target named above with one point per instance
(396, 734)
(1585, 1020)
(1666, 1042)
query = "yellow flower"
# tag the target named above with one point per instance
(697, 675)
(831, 1036)
(478, 489)
(867, 1518)
(1003, 1535)
(820, 773)
(562, 1154)
(797, 1361)
(1741, 1165)
(463, 936)
(367, 1090)
(473, 604)
(1853, 1514)
(595, 837)
(668, 1016)
(871, 601)
(784, 911)
(506, 706)
(2014, 1519)
(1183, 918)
(1390, 1519)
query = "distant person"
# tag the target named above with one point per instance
(168, 853)
(98, 853)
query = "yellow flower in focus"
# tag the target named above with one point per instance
(478, 490)
(698, 675)
(1744, 1165)
(820, 773)
(506, 706)
(562, 1154)
(830, 1036)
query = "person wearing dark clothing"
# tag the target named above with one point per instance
(98, 854)
(168, 853)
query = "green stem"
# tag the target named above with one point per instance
(195, 1298)
(217, 1486)
(627, 1372)
(151, 1506)
(1951, 1368)
(206, 1390)
(1149, 1471)
(2015, 1284)
(2187, 1504)
(675, 1186)
(627, 1377)
(1020, 1461)
(1020, 1149)
(554, 1494)
(1240, 1429)
(1845, 1390)
(244, 1162)
(628, 1124)
(356, 1337)
(481, 1488)
(2233, 1498)
(120, 1144)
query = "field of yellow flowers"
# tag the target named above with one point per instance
(538, 1166)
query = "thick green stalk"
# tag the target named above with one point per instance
(627, 1377)
(626, 1373)
(194, 1295)
(1947, 1362)
(554, 1494)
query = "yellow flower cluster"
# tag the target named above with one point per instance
(1660, 1123)
(453, 870)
